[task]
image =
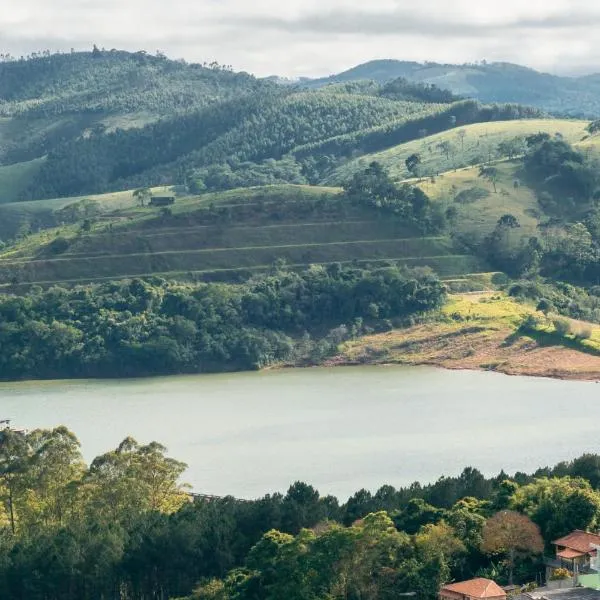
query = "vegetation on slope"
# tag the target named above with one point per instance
(230, 235)
(49, 100)
(461, 147)
(123, 526)
(142, 328)
(515, 334)
(105, 121)
(266, 125)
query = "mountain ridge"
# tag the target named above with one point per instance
(487, 82)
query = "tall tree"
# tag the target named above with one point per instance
(413, 162)
(490, 174)
(512, 534)
(14, 457)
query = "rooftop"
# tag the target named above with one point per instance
(476, 588)
(581, 541)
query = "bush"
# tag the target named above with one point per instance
(560, 574)
(500, 279)
(562, 326)
(545, 306)
(529, 323)
(471, 195)
(58, 245)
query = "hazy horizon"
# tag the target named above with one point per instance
(316, 38)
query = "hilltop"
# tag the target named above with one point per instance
(487, 82)
(105, 121)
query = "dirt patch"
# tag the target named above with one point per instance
(458, 346)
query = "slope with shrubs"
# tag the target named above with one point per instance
(230, 235)
(460, 147)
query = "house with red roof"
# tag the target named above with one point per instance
(577, 552)
(473, 589)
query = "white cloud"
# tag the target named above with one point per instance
(315, 37)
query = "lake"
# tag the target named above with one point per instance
(341, 429)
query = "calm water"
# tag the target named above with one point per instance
(340, 429)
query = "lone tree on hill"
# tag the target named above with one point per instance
(142, 195)
(490, 174)
(509, 221)
(512, 534)
(413, 162)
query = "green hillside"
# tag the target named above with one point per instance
(51, 99)
(459, 147)
(97, 122)
(227, 236)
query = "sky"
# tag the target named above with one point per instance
(315, 37)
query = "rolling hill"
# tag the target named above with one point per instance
(227, 236)
(104, 121)
(487, 82)
(471, 144)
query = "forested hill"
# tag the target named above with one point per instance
(49, 100)
(487, 82)
(83, 123)
(102, 82)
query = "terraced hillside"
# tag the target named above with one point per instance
(460, 147)
(228, 236)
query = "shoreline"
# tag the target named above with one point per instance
(590, 377)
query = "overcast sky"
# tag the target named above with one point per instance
(315, 37)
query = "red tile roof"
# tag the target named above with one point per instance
(579, 540)
(476, 588)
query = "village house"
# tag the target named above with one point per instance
(162, 200)
(577, 552)
(473, 589)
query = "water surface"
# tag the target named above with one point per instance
(340, 429)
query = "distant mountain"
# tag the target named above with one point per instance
(487, 82)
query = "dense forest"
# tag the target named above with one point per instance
(152, 326)
(124, 527)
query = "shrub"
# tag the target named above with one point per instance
(562, 326)
(471, 195)
(545, 306)
(560, 574)
(529, 323)
(499, 279)
(58, 245)
(583, 332)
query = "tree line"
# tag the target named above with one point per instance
(151, 326)
(125, 527)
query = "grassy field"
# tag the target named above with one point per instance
(480, 216)
(478, 145)
(483, 332)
